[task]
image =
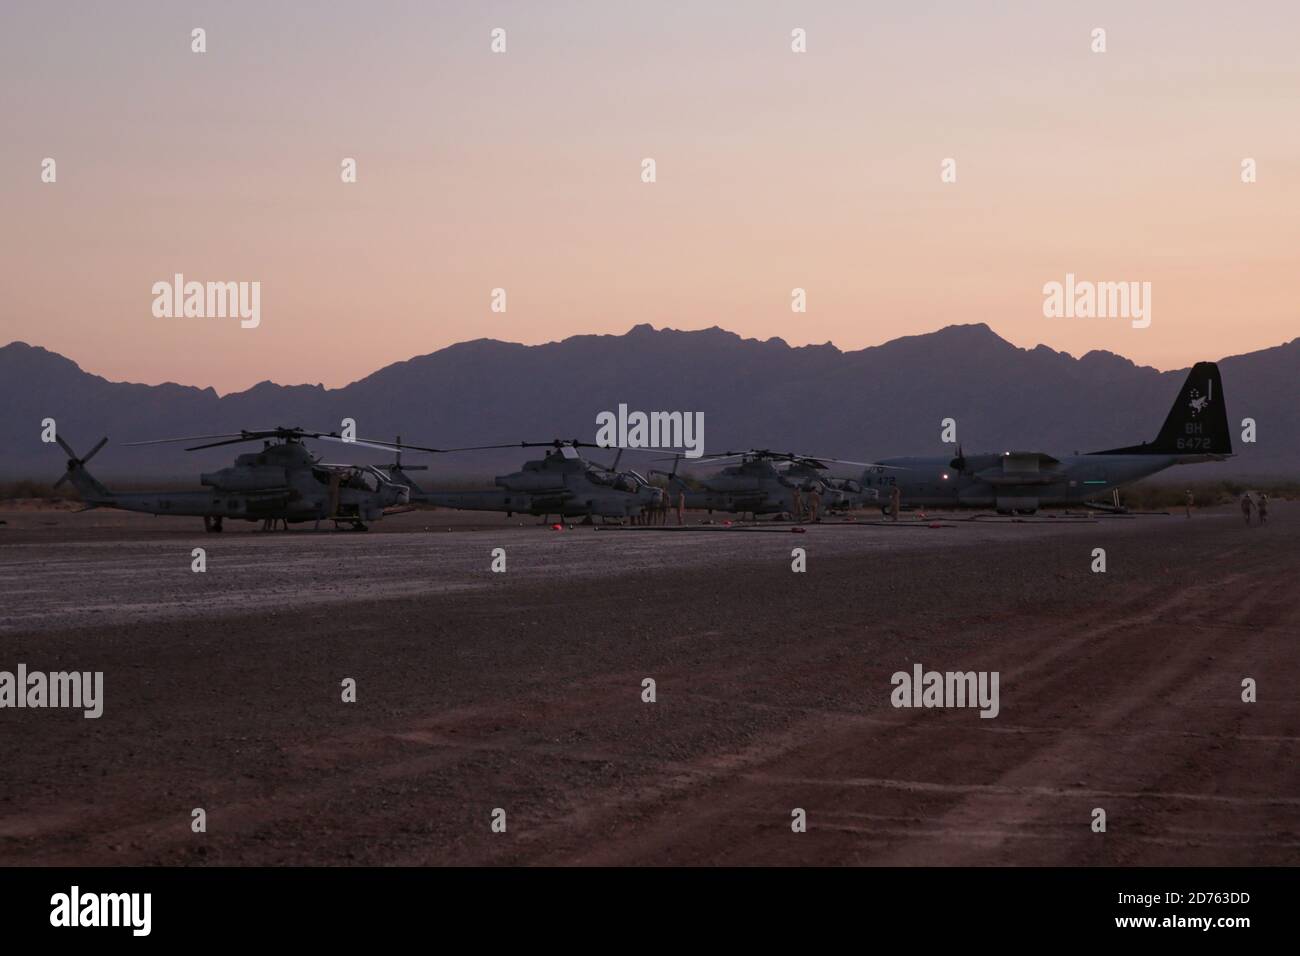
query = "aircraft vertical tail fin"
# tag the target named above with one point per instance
(1197, 424)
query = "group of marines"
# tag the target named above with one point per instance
(656, 513)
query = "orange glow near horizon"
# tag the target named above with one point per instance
(521, 171)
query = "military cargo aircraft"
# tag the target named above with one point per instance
(561, 483)
(1195, 430)
(283, 482)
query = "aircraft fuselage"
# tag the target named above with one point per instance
(934, 483)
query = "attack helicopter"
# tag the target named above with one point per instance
(757, 486)
(281, 483)
(838, 494)
(561, 483)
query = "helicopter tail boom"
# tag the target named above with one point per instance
(398, 475)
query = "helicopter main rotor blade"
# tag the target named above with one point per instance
(715, 458)
(486, 447)
(217, 444)
(163, 441)
(284, 434)
(231, 438)
(397, 446)
(864, 464)
(371, 443)
(554, 443)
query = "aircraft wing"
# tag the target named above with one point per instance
(1021, 468)
(1032, 459)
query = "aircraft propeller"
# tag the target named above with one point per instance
(959, 463)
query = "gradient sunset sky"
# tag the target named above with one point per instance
(775, 170)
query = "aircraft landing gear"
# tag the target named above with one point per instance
(211, 524)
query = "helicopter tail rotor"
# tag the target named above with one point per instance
(397, 472)
(81, 479)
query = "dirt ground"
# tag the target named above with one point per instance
(523, 691)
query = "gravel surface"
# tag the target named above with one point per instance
(522, 691)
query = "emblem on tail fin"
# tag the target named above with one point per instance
(1198, 402)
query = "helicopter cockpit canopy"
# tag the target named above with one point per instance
(363, 480)
(630, 481)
